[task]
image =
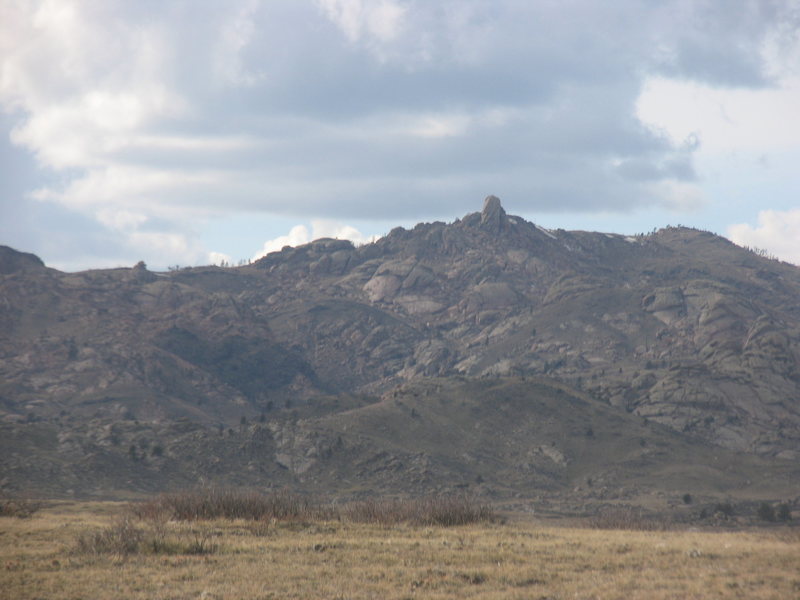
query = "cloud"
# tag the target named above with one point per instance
(219, 258)
(299, 235)
(727, 121)
(378, 19)
(155, 119)
(777, 232)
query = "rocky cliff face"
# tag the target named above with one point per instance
(679, 327)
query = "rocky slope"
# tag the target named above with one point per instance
(679, 328)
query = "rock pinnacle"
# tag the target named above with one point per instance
(493, 217)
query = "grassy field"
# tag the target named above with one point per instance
(69, 551)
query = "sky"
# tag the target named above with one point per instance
(190, 132)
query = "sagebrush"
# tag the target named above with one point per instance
(627, 518)
(214, 503)
(22, 508)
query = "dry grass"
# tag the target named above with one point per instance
(40, 558)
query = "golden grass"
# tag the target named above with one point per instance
(40, 559)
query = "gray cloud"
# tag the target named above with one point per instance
(159, 117)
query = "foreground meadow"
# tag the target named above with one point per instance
(69, 551)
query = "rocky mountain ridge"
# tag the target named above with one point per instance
(679, 328)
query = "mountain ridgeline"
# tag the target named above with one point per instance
(487, 353)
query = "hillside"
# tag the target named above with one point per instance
(488, 352)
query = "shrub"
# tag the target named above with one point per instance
(766, 512)
(445, 511)
(215, 503)
(784, 512)
(18, 507)
(121, 538)
(626, 517)
(200, 543)
(453, 510)
(723, 508)
(124, 538)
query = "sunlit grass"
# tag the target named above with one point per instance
(41, 558)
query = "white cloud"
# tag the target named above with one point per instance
(219, 258)
(725, 120)
(299, 235)
(159, 248)
(134, 189)
(321, 228)
(777, 232)
(439, 126)
(377, 19)
(121, 220)
(237, 32)
(86, 130)
(680, 196)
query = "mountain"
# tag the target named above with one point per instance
(488, 352)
